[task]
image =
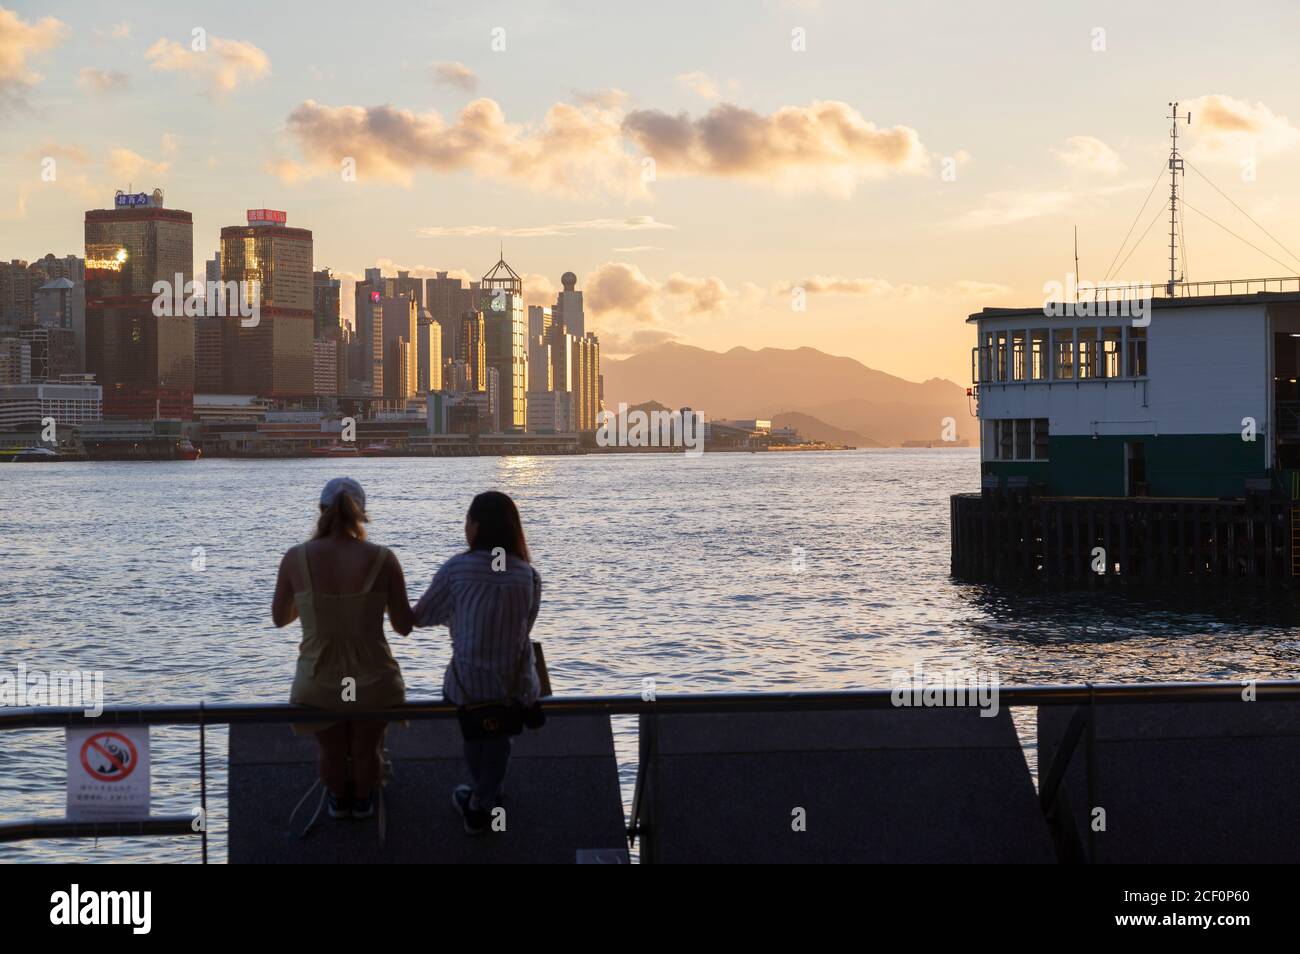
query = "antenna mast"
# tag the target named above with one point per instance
(1175, 169)
(1076, 263)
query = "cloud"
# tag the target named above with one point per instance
(456, 75)
(576, 150)
(825, 146)
(220, 69)
(1233, 129)
(837, 285)
(704, 296)
(621, 289)
(20, 40)
(1088, 154)
(102, 81)
(538, 290)
(701, 84)
(622, 295)
(640, 248)
(125, 166)
(593, 146)
(635, 223)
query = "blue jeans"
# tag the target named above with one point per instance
(488, 760)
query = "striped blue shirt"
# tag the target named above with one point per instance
(490, 614)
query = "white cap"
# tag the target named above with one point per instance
(342, 485)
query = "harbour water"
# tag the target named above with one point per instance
(711, 573)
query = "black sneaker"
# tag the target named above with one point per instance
(364, 807)
(475, 820)
(338, 807)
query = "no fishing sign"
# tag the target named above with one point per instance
(108, 774)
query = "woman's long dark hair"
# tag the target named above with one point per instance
(497, 524)
(343, 514)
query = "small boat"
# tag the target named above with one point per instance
(185, 450)
(336, 450)
(377, 449)
(28, 455)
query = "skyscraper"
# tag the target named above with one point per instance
(448, 301)
(575, 355)
(274, 357)
(398, 336)
(144, 362)
(325, 301)
(502, 295)
(428, 361)
(369, 318)
(568, 307)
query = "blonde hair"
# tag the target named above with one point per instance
(343, 515)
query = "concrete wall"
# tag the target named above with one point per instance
(1209, 783)
(915, 785)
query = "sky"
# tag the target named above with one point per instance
(854, 177)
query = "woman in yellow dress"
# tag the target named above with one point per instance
(339, 585)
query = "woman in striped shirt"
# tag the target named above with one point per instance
(488, 597)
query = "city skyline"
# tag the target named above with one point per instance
(851, 167)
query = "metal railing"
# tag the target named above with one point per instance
(203, 715)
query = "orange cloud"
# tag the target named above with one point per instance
(220, 69)
(824, 146)
(20, 40)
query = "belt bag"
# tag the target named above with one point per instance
(499, 717)
(491, 720)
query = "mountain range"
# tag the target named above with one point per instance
(826, 397)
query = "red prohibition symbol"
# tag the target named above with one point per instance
(108, 756)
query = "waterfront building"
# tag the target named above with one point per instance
(274, 357)
(550, 412)
(71, 401)
(145, 363)
(1193, 400)
(585, 369)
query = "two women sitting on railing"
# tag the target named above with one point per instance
(340, 585)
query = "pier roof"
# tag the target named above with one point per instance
(1227, 292)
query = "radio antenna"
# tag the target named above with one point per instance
(1175, 170)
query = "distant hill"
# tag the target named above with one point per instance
(743, 383)
(818, 430)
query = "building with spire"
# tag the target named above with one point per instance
(502, 303)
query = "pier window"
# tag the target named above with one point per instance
(1023, 438)
(1000, 357)
(1039, 359)
(1111, 344)
(1018, 367)
(1137, 352)
(1089, 366)
(1063, 345)
(986, 357)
